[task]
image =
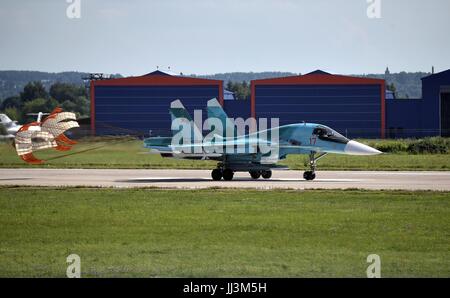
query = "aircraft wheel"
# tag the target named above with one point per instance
(255, 174)
(309, 175)
(228, 174)
(266, 174)
(216, 174)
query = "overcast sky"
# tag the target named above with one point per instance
(207, 36)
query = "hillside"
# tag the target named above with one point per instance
(246, 76)
(12, 82)
(407, 84)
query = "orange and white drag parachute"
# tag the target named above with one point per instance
(44, 135)
(56, 124)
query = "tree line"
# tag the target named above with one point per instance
(35, 98)
(241, 90)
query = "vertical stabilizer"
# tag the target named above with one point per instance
(4, 119)
(215, 110)
(179, 112)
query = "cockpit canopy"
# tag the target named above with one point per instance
(327, 134)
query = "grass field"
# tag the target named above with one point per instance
(223, 233)
(131, 154)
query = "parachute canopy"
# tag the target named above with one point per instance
(44, 135)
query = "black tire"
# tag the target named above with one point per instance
(255, 174)
(266, 174)
(309, 175)
(216, 174)
(228, 174)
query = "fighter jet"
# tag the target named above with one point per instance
(257, 151)
(10, 126)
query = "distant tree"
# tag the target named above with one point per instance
(83, 106)
(229, 86)
(64, 91)
(33, 90)
(69, 106)
(240, 90)
(38, 105)
(11, 102)
(391, 87)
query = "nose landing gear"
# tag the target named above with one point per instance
(311, 175)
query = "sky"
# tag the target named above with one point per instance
(215, 36)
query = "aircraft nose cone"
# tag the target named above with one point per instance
(356, 148)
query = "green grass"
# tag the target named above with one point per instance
(131, 154)
(385, 162)
(121, 153)
(223, 233)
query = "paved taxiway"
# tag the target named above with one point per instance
(193, 179)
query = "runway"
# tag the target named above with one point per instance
(196, 179)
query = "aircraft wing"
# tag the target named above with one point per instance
(164, 144)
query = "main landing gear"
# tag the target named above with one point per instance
(266, 174)
(218, 174)
(311, 174)
(228, 174)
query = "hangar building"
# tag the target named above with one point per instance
(436, 103)
(354, 106)
(137, 105)
(420, 117)
(351, 105)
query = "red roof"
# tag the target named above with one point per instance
(156, 79)
(317, 77)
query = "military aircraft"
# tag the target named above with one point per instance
(12, 127)
(256, 152)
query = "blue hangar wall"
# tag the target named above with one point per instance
(436, 104)
(404, 118)
(427, 116)
(138, 105)
(353, 106)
